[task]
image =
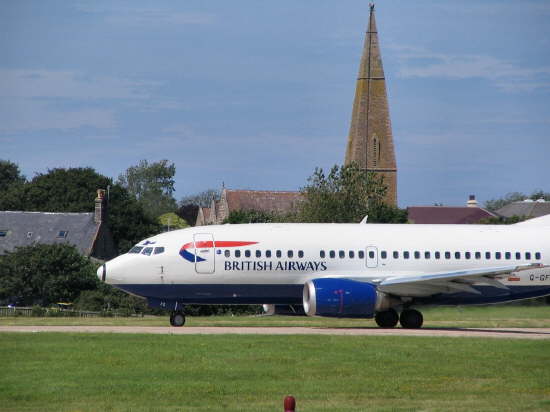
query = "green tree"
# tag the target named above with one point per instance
(74, 190)
(171, 221)
(498, 203)
(252, 216)
(202, 199)
(44, 274)
(10, 175)
(152, 184)
(346, 195)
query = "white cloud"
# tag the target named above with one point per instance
(505, 75)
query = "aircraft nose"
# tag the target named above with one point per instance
(102, 272)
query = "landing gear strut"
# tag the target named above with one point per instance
(387, 318)
(177, 318)
(411, 319)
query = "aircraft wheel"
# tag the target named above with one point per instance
(177, 319)
(387, 318)
(411, 319)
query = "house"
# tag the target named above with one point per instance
(526, 208)
(280, 202)
(471, 213)
(88, 232)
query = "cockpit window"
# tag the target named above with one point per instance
(147, 251)
(135, 249)
(159, 250)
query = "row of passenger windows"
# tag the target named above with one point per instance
(147, 250)
(436, 255)
(267, 253)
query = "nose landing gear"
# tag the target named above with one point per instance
(177, 318)
(409, 319)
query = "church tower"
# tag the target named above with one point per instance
(370, 141)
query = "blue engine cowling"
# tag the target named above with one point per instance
(340, 298)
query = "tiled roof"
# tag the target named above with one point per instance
(528, 209)
(262, 200)
(447, 214)
(26, 228)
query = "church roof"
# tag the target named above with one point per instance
(528, 209)
(25, 228)
(447, 214)
(262, 200)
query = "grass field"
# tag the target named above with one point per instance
(118, 372)
(500, 316)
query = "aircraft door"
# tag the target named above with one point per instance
(372, 257)
(204, 253)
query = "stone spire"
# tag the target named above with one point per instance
(370, 141)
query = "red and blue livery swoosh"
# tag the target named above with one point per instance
(184, 252)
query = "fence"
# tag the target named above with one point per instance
(6, 311)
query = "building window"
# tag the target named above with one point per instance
(361, 254)
(278, 253)
(332, 254)
(322, 254)
(227, 253)
(258, 254)
(384, 254)
(268, 253)
(342, 254)
(300, 254)
(290, 253)
(62, 234)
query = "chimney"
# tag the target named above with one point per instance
(100, 207)
(472, 202)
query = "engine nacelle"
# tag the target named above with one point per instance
(284, 310)
(341, 298)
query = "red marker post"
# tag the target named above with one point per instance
(290, 404)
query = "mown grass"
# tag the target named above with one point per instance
(497, 316)
(118, 372)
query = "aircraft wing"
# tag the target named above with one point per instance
(449, 282)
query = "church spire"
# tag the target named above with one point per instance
(370, 141)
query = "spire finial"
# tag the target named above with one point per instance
(371, 6)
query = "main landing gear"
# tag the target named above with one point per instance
(177, 318)
(409, 319)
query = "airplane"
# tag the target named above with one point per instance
(385, 271)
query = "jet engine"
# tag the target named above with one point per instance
(344, 298)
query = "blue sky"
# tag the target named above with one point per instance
(257, 93)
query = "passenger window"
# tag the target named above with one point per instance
(258, 253)
(300, 253)
(361, 254)
(498, 255)
(417, 255)
(538, 256)
(437, 255)
(384, 254)
(332, 254)
(322, 254)
(351, 254)
(478, 255)
(290, 253)
(278, 253)
(227, 253)
(395, 254)
(467, 255)
(341, 254)
(159, 250)
(457, 255)
(488, 255)
(237, 253)
(426, 255)
(447, 255)
(371, 254)
(247, 253)
(147, 251)
(268, 253)
(508, 255)
(406, 255)
(527, 255)
(518, 256)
